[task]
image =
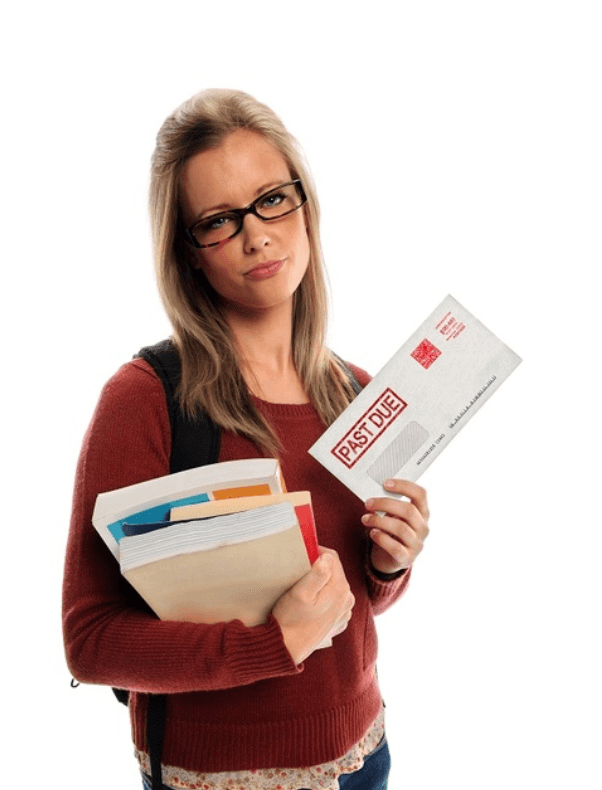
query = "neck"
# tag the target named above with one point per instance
(263, 340)
(263, 337)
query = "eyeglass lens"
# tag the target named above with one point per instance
(274, 204)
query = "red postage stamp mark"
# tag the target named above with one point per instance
(426, 353)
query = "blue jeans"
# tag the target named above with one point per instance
(375, 772)
(374, 775)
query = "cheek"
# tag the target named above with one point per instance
(214, 259)
(300, 241)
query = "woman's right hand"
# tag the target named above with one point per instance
(317, 606)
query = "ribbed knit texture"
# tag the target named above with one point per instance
(236, 699)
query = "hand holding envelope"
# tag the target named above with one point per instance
(398, 528)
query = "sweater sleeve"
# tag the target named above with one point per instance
(111, 637)
(383, 594)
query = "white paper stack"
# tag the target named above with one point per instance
(187, 537)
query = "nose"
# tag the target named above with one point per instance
(255, 233)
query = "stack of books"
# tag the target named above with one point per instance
(212, 544)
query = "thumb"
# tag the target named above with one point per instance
(324, 564)
(320, 574)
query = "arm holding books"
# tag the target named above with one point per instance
(111, 636)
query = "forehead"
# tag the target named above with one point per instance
(232, 174)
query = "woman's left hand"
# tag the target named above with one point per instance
(398, 535)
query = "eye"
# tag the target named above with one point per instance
(215, 228)
(273, 200)
(218, 222)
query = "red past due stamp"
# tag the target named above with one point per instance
(372, 424)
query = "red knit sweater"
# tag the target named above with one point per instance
(236, 699)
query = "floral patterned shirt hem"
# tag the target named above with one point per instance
(318, 777)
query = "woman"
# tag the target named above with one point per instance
(244, 289)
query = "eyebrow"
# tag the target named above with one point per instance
(226, 206)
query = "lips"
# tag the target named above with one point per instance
(265, 270)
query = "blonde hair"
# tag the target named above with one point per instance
(212, 380)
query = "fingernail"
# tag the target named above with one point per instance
(369, 503)
(389, 484)
(366, 518)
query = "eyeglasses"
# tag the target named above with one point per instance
(275, 204)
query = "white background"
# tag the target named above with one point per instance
(456, 149)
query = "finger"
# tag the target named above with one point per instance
(402, 555)
(324, 565)
(330, 552)
(415, 493)
(317, 578)
(386, 513)
(400, 530)
(406, 511)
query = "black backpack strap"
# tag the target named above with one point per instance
(155, 724)
(195, 441)
(355, 385)
(122, 695)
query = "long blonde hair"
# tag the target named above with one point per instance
(212, 380)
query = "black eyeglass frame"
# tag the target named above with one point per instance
(241, 213)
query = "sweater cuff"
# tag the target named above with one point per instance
(387, 590)
(385, 577)
(259, 652)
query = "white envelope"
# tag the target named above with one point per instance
(417, 403)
